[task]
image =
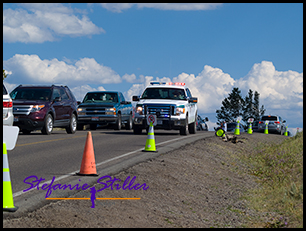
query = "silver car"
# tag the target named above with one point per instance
(275, 124)
(8, 117)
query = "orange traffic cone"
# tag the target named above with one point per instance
(88, 166)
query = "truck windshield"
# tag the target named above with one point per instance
(164, 93)
(105, 97)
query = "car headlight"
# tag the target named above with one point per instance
(110, 111)
(180, 110)
(139, 109)
(36, 108)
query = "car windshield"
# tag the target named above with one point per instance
(105, 97)
(31, 94)
(269, 118)
(164, 93)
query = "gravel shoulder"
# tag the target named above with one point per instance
(202, 184)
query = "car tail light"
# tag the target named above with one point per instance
(260, 122)
(277, 122)
(8, 104)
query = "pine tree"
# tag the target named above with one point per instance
(232, 107)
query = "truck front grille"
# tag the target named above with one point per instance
(161, 111)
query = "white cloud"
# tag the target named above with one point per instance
(119, 7)
(278, 89)
(31, 69)
(44, 22)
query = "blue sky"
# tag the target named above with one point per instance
(211, 47)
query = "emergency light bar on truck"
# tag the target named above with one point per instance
(167, 83)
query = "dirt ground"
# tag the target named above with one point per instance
(199, 185)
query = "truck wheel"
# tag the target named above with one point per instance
(192, 128)
(129, 124)
(184, 130)
(137, 130)
(72, 125)
(118, 123)
(48, 126)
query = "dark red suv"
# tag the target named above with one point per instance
(43, 108)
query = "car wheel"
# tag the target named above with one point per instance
(118, 123)
(129, 123)
(184, 130)
(72, 125)
(48, 126)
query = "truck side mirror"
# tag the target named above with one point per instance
(135, 98)
(193, 100)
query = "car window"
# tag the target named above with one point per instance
(188, 93)
(56, 93)
(4, 90)
(271, 118)
(64, 95)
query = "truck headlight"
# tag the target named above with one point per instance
(81, 111)
(180, 110)
(139, 110)
(110, 111)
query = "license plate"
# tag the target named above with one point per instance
(159, 122)
(95, 118)
(16, 119)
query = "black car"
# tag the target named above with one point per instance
(43, 108)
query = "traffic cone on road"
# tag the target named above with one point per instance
(250, 129)
(150, 143)
(8, 201)
(266, 129)
(237, 129)
(88, 166)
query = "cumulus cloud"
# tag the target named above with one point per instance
(278, 89)
(31, 69)
(41, 22)
(119, 7)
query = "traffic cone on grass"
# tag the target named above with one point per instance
(8, 201)
(286, 131)
(250, 129)
(266, 131)
(237, 129)
(88, 166)
(150, 143)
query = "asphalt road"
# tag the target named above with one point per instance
(60, 154)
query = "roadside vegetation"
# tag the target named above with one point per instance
(279, 170)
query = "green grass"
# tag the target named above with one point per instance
(279, 170)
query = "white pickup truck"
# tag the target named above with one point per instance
(173, 105)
